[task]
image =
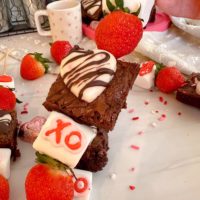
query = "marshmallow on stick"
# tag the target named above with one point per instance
(63, 139)
(6, 80)
(146, 76)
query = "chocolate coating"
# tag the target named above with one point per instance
(91, 10)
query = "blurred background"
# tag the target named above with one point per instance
(17, 16)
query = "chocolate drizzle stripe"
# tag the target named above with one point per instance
(81, 70)
(92, 84)
(90, 75)
(81, 76)
(81, 66)
(4, 123)
(89, 4)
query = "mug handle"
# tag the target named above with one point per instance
(38, 25)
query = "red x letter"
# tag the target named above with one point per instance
(60, 126)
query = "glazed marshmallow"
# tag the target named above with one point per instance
(64, 139)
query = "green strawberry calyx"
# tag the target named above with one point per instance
(44, 61)
(159, 66)
(53, 163)
(119, 5)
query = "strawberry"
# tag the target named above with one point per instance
(49, 181)
(7, 99)
(146, 68)
(169, 79)
(59, 50)
(119, 33)
(4, 188)
(33, 66)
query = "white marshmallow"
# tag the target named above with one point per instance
(146, 81)
(133, 5)
(10, 84)
(46, 141)
(5, 155)
(88, 176)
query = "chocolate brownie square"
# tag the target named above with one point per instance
(8, 131)
(95, 157)
(190, 92)
(104, 110)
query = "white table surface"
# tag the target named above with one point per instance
(167, 163)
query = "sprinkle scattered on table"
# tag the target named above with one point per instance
(131, 187)
(153, 124)
(135, 118)
(161, 99)
(135, 147)
(131, 111)
(140, 132)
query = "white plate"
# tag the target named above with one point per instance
(188, 25)
(166, 165)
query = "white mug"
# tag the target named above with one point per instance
(65, 21)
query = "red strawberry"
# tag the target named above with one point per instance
(169, 79)
(4, 189)
(33, 66)
(146, 68)
(59, 50)
(7, 99)
(119, 33)
(44, 182)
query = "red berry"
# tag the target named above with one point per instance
(59, 50)
(169, 79)
(119, 33)
(4, 189)
(33, 66)
(7, 99)
(146, 68)
(43, 182)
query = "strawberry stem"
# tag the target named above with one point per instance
(119, 5)
(41, 59)
(159, 66)
(53, 163)
(110, 6)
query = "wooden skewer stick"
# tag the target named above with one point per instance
(8, 51)
(2, 57)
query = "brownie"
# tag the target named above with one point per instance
(187, 94)
(104, 110)
(95, 157)
(8, 131)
